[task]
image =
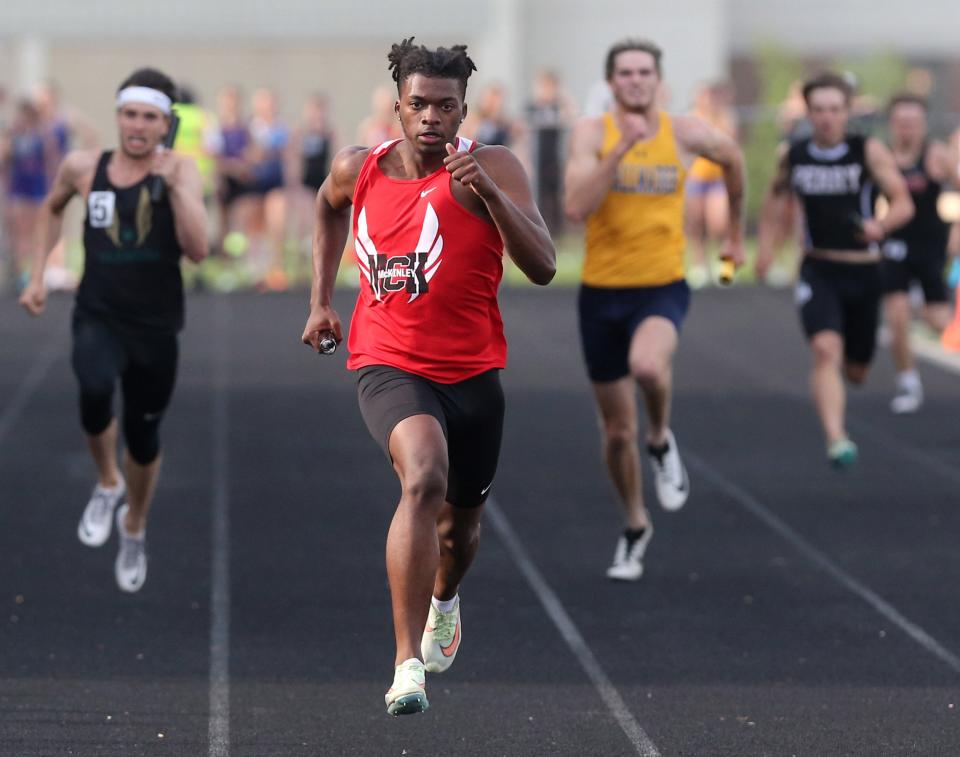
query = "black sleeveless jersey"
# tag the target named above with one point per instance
(316, 158)
(132, 257)
(836, 189)
(926, 230)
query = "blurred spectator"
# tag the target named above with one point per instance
(549, 115)
(6, 268)
(382, 124)
(488, 122)
(27, 153)
(66, 128)
(794, 126)
(197, 136)
(70, 127)
(251, 162)
(865, 110)
(707, 211)
(232, 140)
(792, 115)
(313, 146)
(266, 156)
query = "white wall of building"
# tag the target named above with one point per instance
(339, 47)
(847, 27)
(573, 37)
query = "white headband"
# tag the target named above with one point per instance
(145, 96)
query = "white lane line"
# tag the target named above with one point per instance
(931, 351)
(896, 446)
(219, 726)
(818, 558)
(31, 382)
(855, 420)
(568, 630)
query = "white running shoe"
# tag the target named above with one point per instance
(97, 518)
(407, 696)
(628, 558)
(907, 400)
(441, 638)
(130, 568)
(670, 475)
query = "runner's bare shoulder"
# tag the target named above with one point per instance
(588, 133)
(74, 176)
(494, 156)
(78, 168)
(345, 168)
(349, 160)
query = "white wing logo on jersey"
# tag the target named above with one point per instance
(431, 243)
(410, 272)
(366, 252)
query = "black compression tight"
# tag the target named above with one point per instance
(145, 364)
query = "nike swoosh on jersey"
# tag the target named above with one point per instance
(425, 192)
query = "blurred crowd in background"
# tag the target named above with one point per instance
(262, 172)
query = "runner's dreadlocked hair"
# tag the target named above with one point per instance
(442, 63)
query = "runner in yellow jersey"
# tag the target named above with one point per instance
(625, 178)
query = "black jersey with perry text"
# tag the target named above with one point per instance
(132, 257)
(836, 189)
(926, 230)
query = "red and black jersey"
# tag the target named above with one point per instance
(429, 274)
(926, 230)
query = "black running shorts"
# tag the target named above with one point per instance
(841, 297)
(469, 412)
(610, 316)
(901, 267)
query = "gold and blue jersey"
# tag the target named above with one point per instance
(635, 238)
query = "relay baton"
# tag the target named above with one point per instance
(327, 344)
(727, 269)
(157, 188)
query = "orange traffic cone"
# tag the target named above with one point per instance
(950, 339)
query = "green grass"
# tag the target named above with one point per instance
(570, 261)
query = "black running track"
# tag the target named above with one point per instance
(787, 610)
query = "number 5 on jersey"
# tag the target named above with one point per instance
(100, 208)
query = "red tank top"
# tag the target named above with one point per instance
(429, 273)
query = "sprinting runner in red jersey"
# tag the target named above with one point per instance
(432, 214)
